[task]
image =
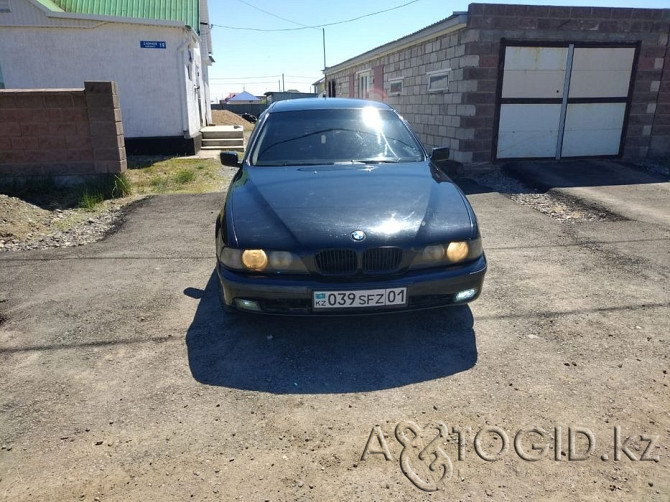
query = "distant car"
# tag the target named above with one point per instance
(337, 209)
(249, 117)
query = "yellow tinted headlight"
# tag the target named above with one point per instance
(254, 259)
(457, 251)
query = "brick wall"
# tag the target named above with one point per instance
(61, 132)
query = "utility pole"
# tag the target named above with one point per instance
(283, 84)
(325, 79)
(324, 48)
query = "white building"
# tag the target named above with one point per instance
(158, 51)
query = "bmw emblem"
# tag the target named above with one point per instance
(358, 235)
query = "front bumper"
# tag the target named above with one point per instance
(428, 288)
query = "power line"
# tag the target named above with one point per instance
(272, 14)
(303, 27)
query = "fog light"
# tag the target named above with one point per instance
(247, 305)
(466, 294)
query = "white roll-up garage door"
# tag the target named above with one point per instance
(563, 100)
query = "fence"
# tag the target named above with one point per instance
(61, 133)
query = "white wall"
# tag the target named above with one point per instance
(151, 89)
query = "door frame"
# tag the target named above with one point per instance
(504, 43)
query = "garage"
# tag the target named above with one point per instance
(505, 82)
(559, 100)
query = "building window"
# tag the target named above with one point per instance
(395, 87)
(2, 80)
(4, 6)
(364, 83)
(331, 88)
(438, 81)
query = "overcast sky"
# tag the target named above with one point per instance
(255, 60)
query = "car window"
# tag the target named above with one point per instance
(309, 137)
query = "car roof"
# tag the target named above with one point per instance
(324, 104)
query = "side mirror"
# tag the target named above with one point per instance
(440, 157)
(439, 154)
(229, 158)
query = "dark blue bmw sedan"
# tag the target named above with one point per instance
(338, 209)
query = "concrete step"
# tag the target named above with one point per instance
(223, 143)
(222, 132)
(233, 148)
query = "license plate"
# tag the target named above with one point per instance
(362, 298)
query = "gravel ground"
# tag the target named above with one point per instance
(121, 379)
(561, 208)
(24, 226)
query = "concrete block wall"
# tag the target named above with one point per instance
(61, 132)
(659, 145)
(106, 127)
(435, 116)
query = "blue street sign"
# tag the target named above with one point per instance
(152, 44)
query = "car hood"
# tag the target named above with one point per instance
(320, 206)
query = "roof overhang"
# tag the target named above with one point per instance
(457, 21)
(60, 14)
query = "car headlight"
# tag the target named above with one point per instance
(260, 260)
(457, 251)
(254, 259)
(448, 253)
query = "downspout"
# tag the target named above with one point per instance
(181, 60)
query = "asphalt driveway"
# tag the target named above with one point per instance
(121, 379)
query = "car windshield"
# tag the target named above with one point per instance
(312, 137)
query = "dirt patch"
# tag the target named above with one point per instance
(559, 207)
(50, 223)
(225, 117)
(24, 226)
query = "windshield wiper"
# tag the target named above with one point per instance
(375, 161)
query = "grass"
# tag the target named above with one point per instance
(80, 203)
(47, 194)
(185, 175)
(174, 175)
(145, 176)
(90, 199)
(92, 193)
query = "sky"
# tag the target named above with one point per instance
(260, 61)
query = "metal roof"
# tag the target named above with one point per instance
(244, 96)
(186, 11)
(50, 5)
